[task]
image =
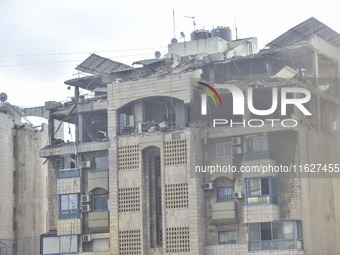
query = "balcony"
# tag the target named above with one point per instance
(68, 148)
(261, 213)
(224, 212)
(98, 221)
(258, 155)
(68, 173)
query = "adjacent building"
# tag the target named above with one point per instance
(142, 175)
(23, 181)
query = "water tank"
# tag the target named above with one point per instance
(199, 34)
(222, 32)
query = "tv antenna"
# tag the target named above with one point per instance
(235, 29)
(193, 21)
(173, 18)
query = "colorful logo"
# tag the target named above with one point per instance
(209, 93)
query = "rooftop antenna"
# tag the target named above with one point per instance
(193, 21)
(235, 29)
(173, 18)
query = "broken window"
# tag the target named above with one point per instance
(69, 206)
(278, 235)
(261, 191)
(94, 126)
(67, 167)
(152, 114)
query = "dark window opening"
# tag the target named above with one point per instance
(101, 163)
(100, 203)
(153, 114)
(94, 126)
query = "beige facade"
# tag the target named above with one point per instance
(23, 188)
(141, 176)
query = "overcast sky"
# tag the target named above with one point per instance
(42, 41)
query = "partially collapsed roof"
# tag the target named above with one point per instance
(95, 64)
(305, 30)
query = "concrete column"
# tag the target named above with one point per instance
(269, 68)
(211, 74)
(196, 201)
(139, 111)
(247, 114)
(113, 184)
(180, 113)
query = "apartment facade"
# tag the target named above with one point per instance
(153, 171)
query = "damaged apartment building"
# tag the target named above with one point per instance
(134, 181)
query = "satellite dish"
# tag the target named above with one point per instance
(3, 97)
(182, 34)
(157, 54)
(174, 40)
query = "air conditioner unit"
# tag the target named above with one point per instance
(238, 195)
(86, 208)
(85, 198)
(87, 238)
(236, 141)
(85, 164)
(208, 186)
(237, 150)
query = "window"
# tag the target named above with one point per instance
(100, 203)
(59, 244)
(68, 206)
(225, 193)
(223, 150)
(280, 235)
(227, 237)
(261, 191)
(67, 167)
(260, 147)
(101, 163)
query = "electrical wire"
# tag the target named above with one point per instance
(61, 62)
(75, 53)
